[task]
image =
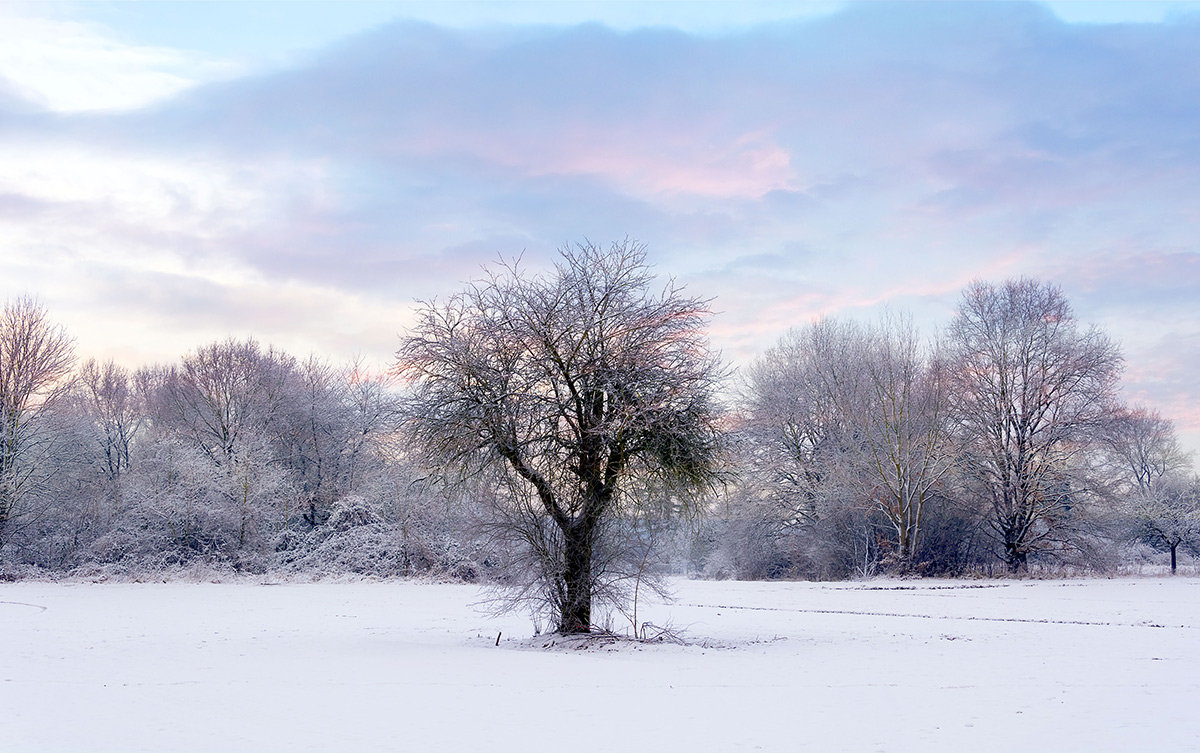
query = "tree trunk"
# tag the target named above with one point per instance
(577, 609)
(1014, 557)
(1173, 548)
(6, 496)
(903, 550)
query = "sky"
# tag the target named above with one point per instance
(304, 173)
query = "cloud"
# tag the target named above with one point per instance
(69, 66)
(883, 155)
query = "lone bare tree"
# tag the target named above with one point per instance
(36, 357)
(1033, 390)
(570, 385)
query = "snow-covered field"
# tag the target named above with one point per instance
(1080, 665)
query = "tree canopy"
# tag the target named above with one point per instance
(569, 384)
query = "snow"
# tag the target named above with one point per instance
(1097, 665)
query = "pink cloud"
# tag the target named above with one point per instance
(643, 158)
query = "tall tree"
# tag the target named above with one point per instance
(36, 357)
(1032, 389)
(336, 424)
(856, 412)
(569, 384)
(791, 427)
(903, 446)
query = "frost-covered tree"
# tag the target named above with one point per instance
(1032, 392)
(335, 434)
(840, 412)
(568, 385)
(1151, 474)
(791, 429)
(215, 477)
(1142, 448)
(174, 511)
(36, 357)
(901, 447)
(108, 396)
(222, 393)
(315, 434)
(111, 410)
(1167, 515)
(94, 427)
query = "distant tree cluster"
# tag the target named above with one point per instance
(563, 433)
(239, 455)
(866, 450)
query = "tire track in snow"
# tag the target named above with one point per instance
(23, 604)
(962, 618)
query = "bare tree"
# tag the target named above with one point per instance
(1167, 515)
(568, 385)
(1144, 449)
(791, 428)
(1152, 482)
(222, 393)
(1032, 390)
(903, 447)
(36, 357)
(231, 401)
(373, 422)
(841, 411)
(315, 437)
(111, 401)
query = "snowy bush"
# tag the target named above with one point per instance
(358, 539)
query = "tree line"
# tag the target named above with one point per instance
(572, 435)
(1003, 441)
(239, 454)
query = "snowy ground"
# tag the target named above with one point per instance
(1087, 665)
